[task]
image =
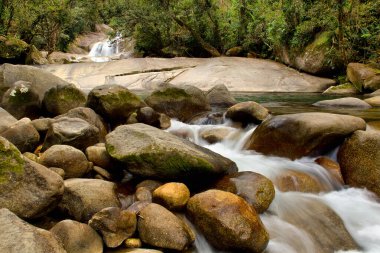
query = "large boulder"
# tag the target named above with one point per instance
(347, 102)
(302, 134)
(247, 113)
(151, 152)
(180, 103)
(159, 227)
(113, 102)
(227, 221)
(77, 237)
(85, 197)
(26, 188)
(359, 74)
(220, 96)
(254, 188)
(18, 236)
(359, 158)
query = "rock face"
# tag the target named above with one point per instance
(359, 160)
(254, 188)
(71, 160)
(247, 113)
(160, 228)
(113, 102)
(348, 102)
(227, 221)
(114, 224)
(26, 188)
(173, 196)
(23, 135)
(18, 236)
(60, 99)
(85, 197)
(180, 103)
(359, 74)
(220, 96)
(151, 152)
(298, 135)
(77, 237)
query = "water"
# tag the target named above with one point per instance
(103, 50)
(298, 222)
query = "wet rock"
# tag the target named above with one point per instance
(71, 160)
(77, 237)
(292, 180)
(113, 102)
(358, 73)
(247, 113)
(346, 88)
(143, 194)
(23, 135)
(180, 103)
(114, 224)
(60, 99)
(219, 96)
(332, 167)
(359, 160)
(348, 102)
(227, 221)
(85, 197)
(18, 236)
(99, 156)
(74, 132)
(214, 135)
(373, 101)
(6, 120)
(254, 188)
(301, 134)
(173, 196)
(155, 153)
(160, 228)
(27, 188)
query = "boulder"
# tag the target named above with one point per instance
(214, 135)
(297, 135)
(74, 132)
(35, 57)
(77, 237)
(346, 88)
(373, 83)
(150, 152)
(359, 73)
(235, 51)
(27, 188)
(331, 166)
(113, 102)
(61, 99)
(254, 188)
(373, 101)
(150, 117)
(347, 102)
(247, 113)
(173, 196)
(114, 224)
(158, 227)
(180, 103)
(227, 221)
(292, 180)
(85, 197)
(220, 96)
(13, 50)
(143, 194)
(23, 135)
(99, 156)
(71, 160)
(18, 236)
(6, 120)
(359, 159)
(21, 100)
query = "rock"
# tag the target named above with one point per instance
(331, 166)
(165, 121)
(254, 188)
(77, 237)
(21, 100)
(74, 132)
(375, 93)
(180, 103)
(85, 197)
(227, 221)
(358, 73)
(138, 206)
(373, 101)
(149, 184)
(35, 57)
(113, 102)
(102, 172)
(133, 243)
(247, 113)
(214, 135)
(372, 83)
(359, 160)
(315, 133)
(143, 194)
(159, 227)
(99, 156)
(150, 117)
(298, 181)
(373, 126)
(13, 50)
(84, 42)
(67, 58)
(135, 251)
(59, 171)
(71, 160)
(18, 236)
(23, 135)
(151, 152)
(42, 125)
(346, 88)
(234, 51)
(348, 102)
(114, 224)
(173, 196)
(27, 188)
(6, 120)
(219, 96)
(61, 99)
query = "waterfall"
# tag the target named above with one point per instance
(103, 50)
(295, 220)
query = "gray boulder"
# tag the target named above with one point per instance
(248, 112)
(220, 96)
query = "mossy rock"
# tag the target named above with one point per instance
(35, 57)
(12, 49)
(346, 88)
(11, 160)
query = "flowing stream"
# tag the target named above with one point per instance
(103, 50)
(298, 222)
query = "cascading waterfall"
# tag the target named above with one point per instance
(103, 50)
(295, 220)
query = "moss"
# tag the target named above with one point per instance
(11, 161)
(171, 92)
(12, 47)
(343, 86)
